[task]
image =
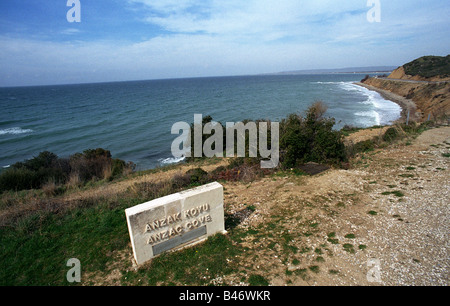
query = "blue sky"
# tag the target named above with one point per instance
(150, 39)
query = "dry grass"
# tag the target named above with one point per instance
(74, 180)
(49, 188)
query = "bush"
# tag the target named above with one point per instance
(91, 164)
(197, 175)
(364, 146)
(302, 139)
(34, 173)
(429, 66)
(47, 169)
(310, 139)
(391, 134)
(17, 179)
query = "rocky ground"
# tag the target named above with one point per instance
(384, 222)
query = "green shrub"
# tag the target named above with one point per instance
(197, 175)
(257, 280)
(302, 139)
(92, 163)
(364, 146)
(429, 66)
(16, 179)
(34, 173)
(48, 167)
(310, 139)
(391, 134)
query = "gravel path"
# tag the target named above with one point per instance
(384, 222)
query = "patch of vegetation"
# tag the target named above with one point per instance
(47, 168)
(397, 193)
(318, 251)
(35, 250)
(314, 225)
(305, 250)
(257, 280)
(391, 134)
(295, 262)
(406, 175)
(349, 248)
(333, 240)
(364, 146)
(314, 269)
(302, 139)
(320, 259)
(303, 273)
(429, 66)
(350, 236)
(36, 244)
(197, 176)
(373, 213)
(185, 267)
(310, 139)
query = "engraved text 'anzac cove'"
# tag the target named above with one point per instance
(194, 217)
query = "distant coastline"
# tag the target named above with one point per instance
(349, 70)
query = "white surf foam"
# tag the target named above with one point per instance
(373, 115)
(172, 160)
(383, 111)
(15, 131)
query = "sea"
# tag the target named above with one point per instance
(133, 119)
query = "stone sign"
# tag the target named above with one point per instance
(175, 221)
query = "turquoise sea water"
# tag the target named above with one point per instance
(133, 119)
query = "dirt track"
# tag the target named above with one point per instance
(333, 238)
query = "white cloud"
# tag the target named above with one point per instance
(232, 37)
(237, 19)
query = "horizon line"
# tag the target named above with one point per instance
(319, 71)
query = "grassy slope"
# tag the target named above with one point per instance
(34, 249)
(429, 66)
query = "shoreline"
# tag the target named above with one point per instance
(405, 104)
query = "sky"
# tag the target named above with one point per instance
(120, 40)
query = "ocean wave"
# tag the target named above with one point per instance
(351, 86)
(172, 160)
(375, 116)
(319, 82)
(383, 111)
(15, 131)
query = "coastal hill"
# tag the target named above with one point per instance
(424, 81)
(426, 68)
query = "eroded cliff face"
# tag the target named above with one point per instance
(430, 98)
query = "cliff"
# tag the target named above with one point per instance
(425, 81)
(400, 74)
